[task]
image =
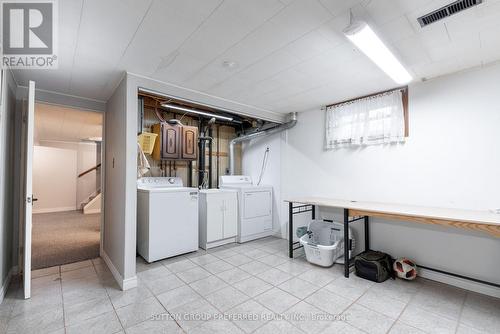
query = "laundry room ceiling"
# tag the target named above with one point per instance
(278, 55)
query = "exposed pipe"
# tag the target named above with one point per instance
(218, 154)
(210, 160)
(201, 161)
(282, 127)
(203, 139)
(190, 173)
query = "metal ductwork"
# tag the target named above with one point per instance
(264, 133)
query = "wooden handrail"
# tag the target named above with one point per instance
(89, 170)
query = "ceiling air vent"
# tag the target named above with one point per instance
(446, 11)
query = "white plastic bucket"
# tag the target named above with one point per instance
(324, 243)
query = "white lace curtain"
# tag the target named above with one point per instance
(373, 120)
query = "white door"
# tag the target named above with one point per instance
(215, 217)
(29, 120)
(231, 215)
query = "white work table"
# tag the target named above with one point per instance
(483, 221)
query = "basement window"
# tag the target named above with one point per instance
(380, 118)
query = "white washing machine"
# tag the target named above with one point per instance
(167, 218)
(255, 218)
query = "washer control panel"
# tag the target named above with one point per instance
(160, 182)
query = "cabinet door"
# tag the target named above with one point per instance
(189, 142)
(170, 141)
(215, 217)
(231, 215)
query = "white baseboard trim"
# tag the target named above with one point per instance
(125, 284)
(49, 210)
(129, 283)
(460, 282)
(5, 285)
(218, 243)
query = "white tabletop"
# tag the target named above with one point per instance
(470, 216)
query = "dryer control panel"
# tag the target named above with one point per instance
(226, 180)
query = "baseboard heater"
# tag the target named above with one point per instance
(460, 276)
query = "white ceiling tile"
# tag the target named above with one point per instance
(332, 29)
(69, 21)
(462, 25)
(180, 67)
(106, 29)
(301, 17)
(286, 2)
(455, 48)
(330, 61)
(313, 44)
(167, 25)
(412, 51)
(232, 21)
(434, 35)
(270, 37)
(290, 24)
(382, 11)
(408, 6)
(256, 90)
(337, 7)
(396, 30)
(292, 82)
(231, 88)
(108, 26)
(269, 66)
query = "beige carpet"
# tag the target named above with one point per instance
(64, 237)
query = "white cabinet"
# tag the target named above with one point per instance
(218, 217)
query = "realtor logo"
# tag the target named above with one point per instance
(29, 34)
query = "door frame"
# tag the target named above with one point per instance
(22, 199)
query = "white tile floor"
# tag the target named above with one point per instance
(250, 288)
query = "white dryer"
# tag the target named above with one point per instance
(167, 218)
(255, 214)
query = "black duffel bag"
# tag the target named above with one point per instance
(374, 266)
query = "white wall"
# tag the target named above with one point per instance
(8, 205)
(253, 153)
(54, 179)
(117, 241)
(449, 160)
(86, 159)
(87, 184)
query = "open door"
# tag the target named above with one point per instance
(25, 250)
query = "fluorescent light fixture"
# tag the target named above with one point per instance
(372, 46)
(198, 112)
